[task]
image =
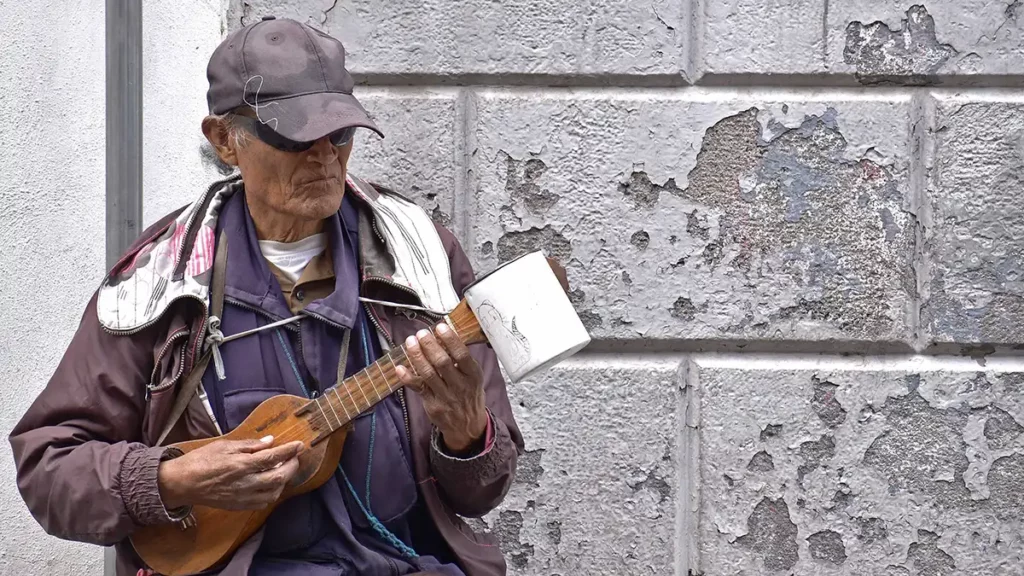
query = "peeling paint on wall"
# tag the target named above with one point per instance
(521, 183)
(828, 409)
(772, 534)
(771, 232)
(925, 557)
(912, 486)
(910, 55)
(516, 243)
(827, 545)
(923, 450)
(761, 462)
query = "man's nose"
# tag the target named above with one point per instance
(323, 151)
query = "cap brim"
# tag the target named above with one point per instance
(313, 116)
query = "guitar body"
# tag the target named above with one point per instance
(177, 549)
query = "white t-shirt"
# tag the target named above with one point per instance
(293, 257)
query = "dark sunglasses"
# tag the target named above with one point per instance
(271, 138)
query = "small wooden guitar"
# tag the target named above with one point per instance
(211, 535)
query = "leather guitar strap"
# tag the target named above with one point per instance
(195, 377)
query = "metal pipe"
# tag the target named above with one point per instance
(124, 125)
(123, 141)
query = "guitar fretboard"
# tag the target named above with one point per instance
(345, 401)
(342, 403)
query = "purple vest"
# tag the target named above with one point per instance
(367, 519)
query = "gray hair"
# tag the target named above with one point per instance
(240, 138)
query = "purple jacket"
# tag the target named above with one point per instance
(83, 451)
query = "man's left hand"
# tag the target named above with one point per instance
(451, 383)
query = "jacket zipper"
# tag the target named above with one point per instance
(373, 224)
(202, 328)
(201, 207)
(181, 333)
(323, 319)
(405, 289)
(391, 343)
(142, 327)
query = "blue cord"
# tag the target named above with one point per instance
(378, 527)
(369, 460)
(366, 341)
(375, 523)
(295, 369)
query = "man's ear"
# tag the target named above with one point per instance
(218, 133)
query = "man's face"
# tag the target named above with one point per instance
(307, 185)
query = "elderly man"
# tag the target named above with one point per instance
(268, 284)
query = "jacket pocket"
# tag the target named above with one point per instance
(238, 404)
(296, 525)
(392, 488)
(161, 390)
(169, 362)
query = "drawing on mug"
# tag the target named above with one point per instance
(513, 341)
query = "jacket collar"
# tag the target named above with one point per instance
(249, 279)
(175, 260)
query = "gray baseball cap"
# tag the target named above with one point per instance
(291, 75)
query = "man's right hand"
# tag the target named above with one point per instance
(229, 474)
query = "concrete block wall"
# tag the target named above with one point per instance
(795, 231)
(792, 227)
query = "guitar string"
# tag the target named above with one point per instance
(315, 420)
(397, 356)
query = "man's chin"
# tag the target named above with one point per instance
(318, 207)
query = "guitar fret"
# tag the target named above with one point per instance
(382, 376)
(317, 400)
(393, 367)
(365, 397)
(333, 411)
(342, 402)
(375, 390)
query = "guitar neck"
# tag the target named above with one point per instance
(342, 403)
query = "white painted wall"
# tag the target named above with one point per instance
(52, 210)
(52, 200)
(178, 38)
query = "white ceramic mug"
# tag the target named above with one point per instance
(526, 316)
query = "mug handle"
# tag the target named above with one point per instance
(559, 271)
